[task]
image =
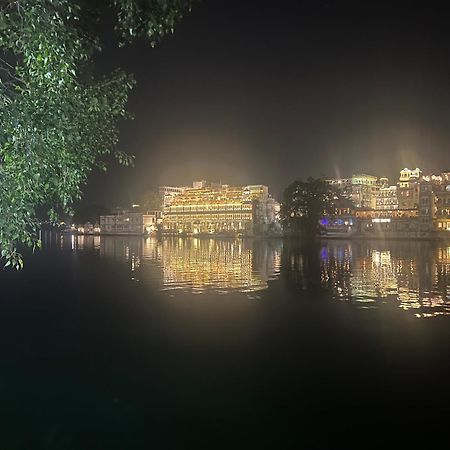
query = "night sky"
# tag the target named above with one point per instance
(250, 92)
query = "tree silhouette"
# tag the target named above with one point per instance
(305, 203)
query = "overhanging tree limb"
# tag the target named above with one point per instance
(55, 124)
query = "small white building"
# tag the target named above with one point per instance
(87, 228)
(132, 223)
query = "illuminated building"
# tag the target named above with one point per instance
(340, 183)
(409, 188)
(409, 175)
(427, 202)
(128, 222)
(167, 193)
(87, 228)
(434, 201)
(391, 213)
(386, 198)
(443, 208)
(363, 188)
(359, 188)
(383, 222)
(221, 209)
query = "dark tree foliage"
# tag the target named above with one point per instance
(305, 203)
(89, 213)
(149, 18)
(150, 201)
(57, 123)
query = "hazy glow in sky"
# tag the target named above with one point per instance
(267, 92)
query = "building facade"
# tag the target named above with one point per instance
(386, 198)
(212, 208)
(418, 204)
(360, 188)
(442, 214)
(168, 193)
(129, 222)
(409, 188)
(363, 190)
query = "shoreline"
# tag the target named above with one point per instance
(353, 237)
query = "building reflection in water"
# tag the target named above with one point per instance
(196, 265)
(413, 275)
(221, 265)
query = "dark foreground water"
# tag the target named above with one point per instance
(126, 343)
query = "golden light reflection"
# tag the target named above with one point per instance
(410, 276)
(195, 265)
(222, 265)
(415, 276)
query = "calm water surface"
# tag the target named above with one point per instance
(414, 276)
(130, 343)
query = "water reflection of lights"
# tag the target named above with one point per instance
(196, 265)
(414, 275)
(219, 265)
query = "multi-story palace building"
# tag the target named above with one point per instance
(363, 188)
(417, 203)
(442, 214)
(167, 193)
(360, 188)
(221, 209)
(386, 198)
(409, 188)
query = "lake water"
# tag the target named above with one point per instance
(129, 343)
